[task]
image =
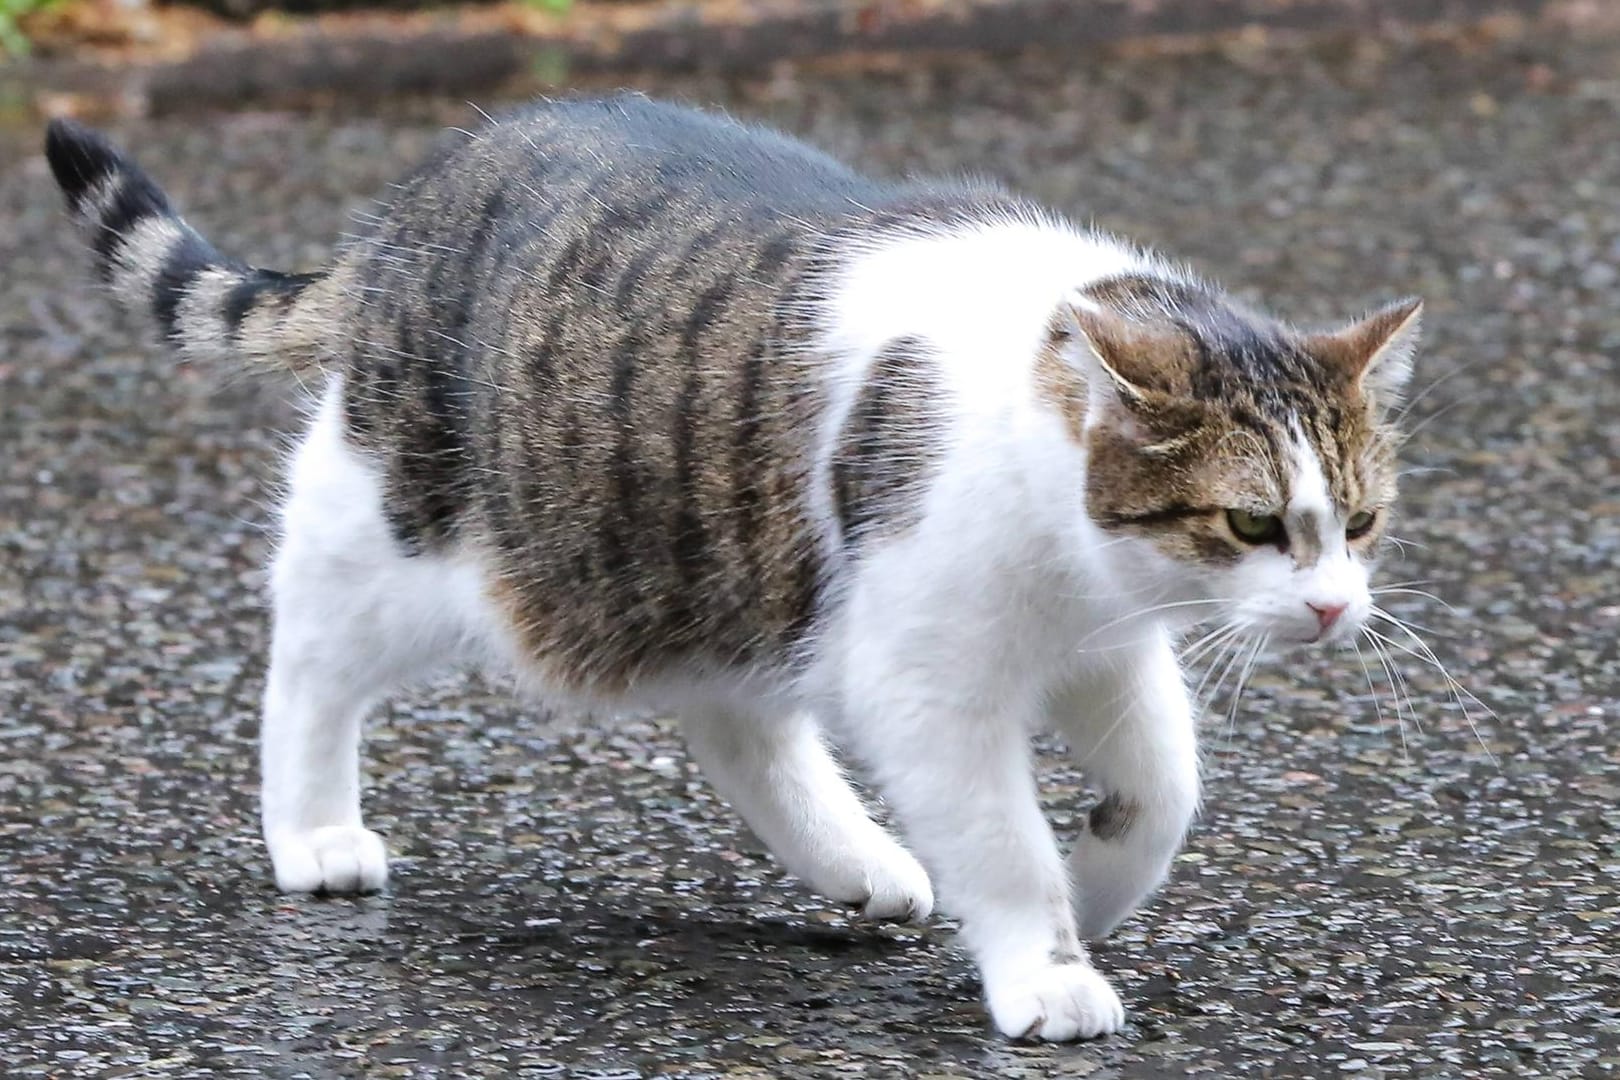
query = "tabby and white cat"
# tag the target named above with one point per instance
(656, 409)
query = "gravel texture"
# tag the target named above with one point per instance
(571, 900)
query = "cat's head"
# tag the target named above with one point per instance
(1245, 468)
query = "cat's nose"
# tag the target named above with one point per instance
(1326, 614)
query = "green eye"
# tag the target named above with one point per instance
(1255, 528)
(1360, 524)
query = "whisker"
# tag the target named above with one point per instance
(1403, 543)
(1427, 655)
(1408, 582)
(1231, 649)
(1425, 470)
(1458, 691)
(1242, 682)
(1228, 660)
(1399, 694)
(1378, 707)
(1411, 403)
(1417, 429)
(1196, 694)
(1399, 687)
(1155, 609)
(1379, 613)
(1102, 740)
(1192, 652)
(1225, 653)
(1416, 592)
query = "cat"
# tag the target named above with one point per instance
(657, 409)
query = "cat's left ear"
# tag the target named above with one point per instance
(1375, 353)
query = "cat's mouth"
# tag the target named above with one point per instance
(1339, 634)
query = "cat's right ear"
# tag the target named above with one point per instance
(1129, 369)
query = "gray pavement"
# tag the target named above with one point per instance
(573, 901)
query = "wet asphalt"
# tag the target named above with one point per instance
(571, 900)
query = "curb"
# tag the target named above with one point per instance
(476, 48)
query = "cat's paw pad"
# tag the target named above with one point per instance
(1056, 1004)
(338, 859)
(896, 889)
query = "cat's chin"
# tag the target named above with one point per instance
(1281, 644)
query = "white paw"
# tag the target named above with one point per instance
(1056, 1003)
(331, 859)
(872, 874)
(895, 889)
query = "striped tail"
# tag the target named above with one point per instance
(208, 306)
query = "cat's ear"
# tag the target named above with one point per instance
(1375, 353)
(1135, 377)
(1124, 363)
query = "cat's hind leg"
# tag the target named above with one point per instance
(777, 773)
(1131, 729)
(355, 618)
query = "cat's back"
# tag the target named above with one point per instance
(629, 144)
(646, 172)
(590, 349)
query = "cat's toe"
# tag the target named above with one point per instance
(1056, 1003)
(336, 859)
(897, 890)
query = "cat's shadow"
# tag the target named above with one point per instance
(656, 930)
(620, 966)
(659, 927)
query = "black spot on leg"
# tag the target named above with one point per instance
(1112, 818)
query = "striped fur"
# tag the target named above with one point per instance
(209, 307)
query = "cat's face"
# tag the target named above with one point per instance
(1245, 469)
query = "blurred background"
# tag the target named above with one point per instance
(1401, 870)
(144, 56)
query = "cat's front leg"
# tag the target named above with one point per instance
(1131, 728)
(956, 768)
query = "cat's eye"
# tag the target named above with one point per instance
(1360, 524)
(1255, 528)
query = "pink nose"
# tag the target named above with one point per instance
(1326, 614)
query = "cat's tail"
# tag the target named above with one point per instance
(208, 306)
